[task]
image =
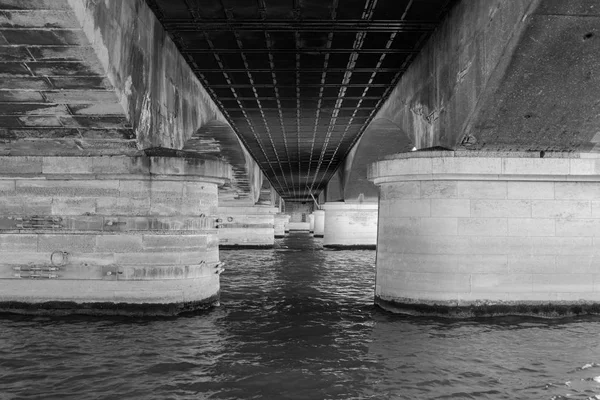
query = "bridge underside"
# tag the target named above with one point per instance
(299, 81)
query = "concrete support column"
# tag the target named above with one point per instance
(311, 223)
(108, 235)
(280, 223)
(243, 227)
(462, 234)
(319, 224)
(350, 225)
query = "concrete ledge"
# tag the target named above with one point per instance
(466, 165)
(450, 309)
(115, 167)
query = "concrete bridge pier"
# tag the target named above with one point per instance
(319, 223)
(108, 235)
(350, 225)
(244, 227)
(472, 233)
(280, 223)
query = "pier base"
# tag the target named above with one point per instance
(108, 235)
(319, 223)
(469, 234)
(350, 225)
(246, 227)
(280, 223)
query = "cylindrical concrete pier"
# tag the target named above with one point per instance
(280, 222)
(474, 233)
(319, 223)
(350, 225)
(108, 235)
(244, 227)
(311, 223)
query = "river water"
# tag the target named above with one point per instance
(297, 322)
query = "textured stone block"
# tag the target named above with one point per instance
(433, 263)
(565, 282)
(530, 190)
(73, 206)
(119, 243)
(450, 207)
(134, 189)
(487, 245)
(577, 190)
(400, 190)
(122, 206)
(438, 226)
(482, 226)
(18, 243)
(463, 165)
(531, 264)
(171, 242)
(433, 282)
(166, 189)
(482, 190)
(400, 227)
(439, 189)
(531, 227)
(66, 165)
(163, 206)
(64, 188)
(561, 209)
(578, 227)
(20, 165)
(535, 166)
(409, 208)
(7, 186)
(482, 263)
(551, 245)
(491, 283)
(501, 208)
(578, 264)
(163, 259)
(67, 242)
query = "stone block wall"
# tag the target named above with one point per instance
(350, 225)
(246, 226)
(505, 229)
(108, 230)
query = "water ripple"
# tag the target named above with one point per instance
(298, 322)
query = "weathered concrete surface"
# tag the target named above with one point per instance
(108, 234)
(319, 228)
(519, 74)
(380, 139)
(279, 224)
(241, 227)
(162, 97)
(482, 233)
(84, 77)
(311, 223)
(350, 225)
